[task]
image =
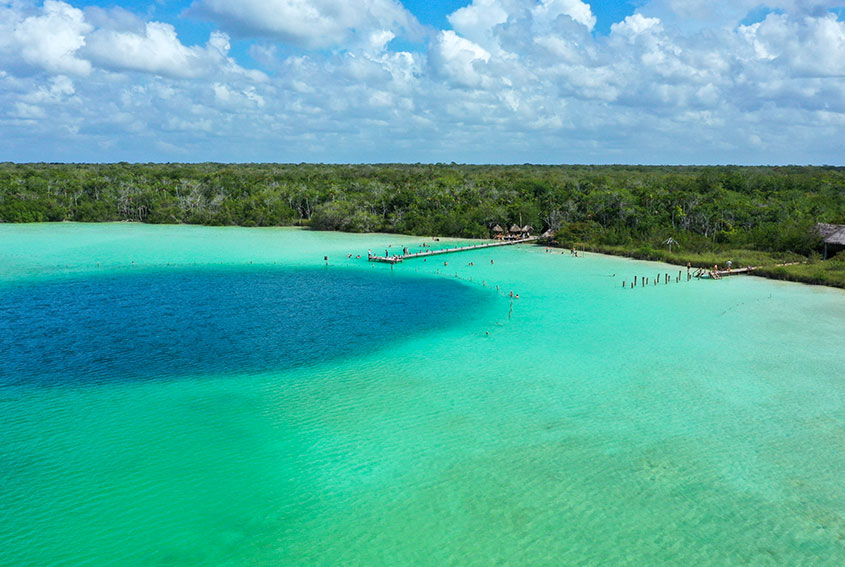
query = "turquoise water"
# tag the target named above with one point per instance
(221, 396)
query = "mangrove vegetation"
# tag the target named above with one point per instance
(679, 214)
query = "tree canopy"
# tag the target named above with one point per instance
(701, 208)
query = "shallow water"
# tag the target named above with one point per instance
(194, 396)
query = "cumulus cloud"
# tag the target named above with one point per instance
(459, 60)
(59, 38)
(478, 20)
(693, 14)
(310, 24)
(635, 25)
(52, 38)
(551, 10)
(158, 50)
(59, 89)
(489, 22)
(232, 99)
(507, 80)
(808, 47)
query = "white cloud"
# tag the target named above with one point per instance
(237, 99)
(310, 24)
(699, 14)
(29, 111)
(51, 39)
(158, 50)
(459, 60)
(804, 47)
(59, 90)
(478, 20)
(180, 124)
(513, 80)
(59, 38)
(635, 25)
(551, 10)
(490, 22)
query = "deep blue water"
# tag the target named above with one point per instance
(193, 322)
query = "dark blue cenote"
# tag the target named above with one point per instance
(160, 324)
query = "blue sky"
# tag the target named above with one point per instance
(476, 81)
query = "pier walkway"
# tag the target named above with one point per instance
(427, 253)
(717, 275)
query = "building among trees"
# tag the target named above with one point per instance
(833, 236)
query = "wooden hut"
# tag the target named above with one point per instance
(526, 230)
(498, 232)
(833, 236)
(548, 234)
(514, 231)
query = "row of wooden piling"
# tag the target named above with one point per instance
(642, 281)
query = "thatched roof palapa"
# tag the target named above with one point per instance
(527, 228)
(833, 233)
(826, 230)
(833, 236)
(515, 228)
(497, 228)
(548, 234)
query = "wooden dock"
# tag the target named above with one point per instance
(427, 253)
(717, 275)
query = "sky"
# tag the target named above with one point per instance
(466, 81)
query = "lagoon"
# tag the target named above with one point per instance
(194, 395)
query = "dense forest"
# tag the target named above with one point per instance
(702, 208)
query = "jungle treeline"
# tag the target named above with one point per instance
(701, 208)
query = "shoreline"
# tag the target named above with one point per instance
(768, 271)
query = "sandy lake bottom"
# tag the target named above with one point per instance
(180, 395)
